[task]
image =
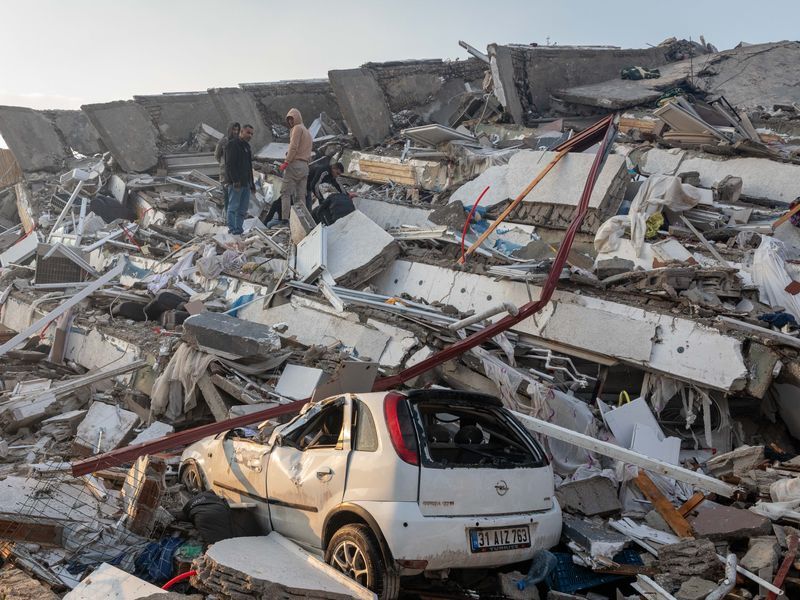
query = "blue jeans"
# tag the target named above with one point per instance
(238, 203)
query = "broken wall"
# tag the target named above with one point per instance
(427, 87)
(10, 173)
(77, 131)
(177, 115)
(311, 97)
(529, 74)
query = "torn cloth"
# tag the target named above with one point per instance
(769, 274)
(186, 366)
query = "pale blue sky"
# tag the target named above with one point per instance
(63, 53)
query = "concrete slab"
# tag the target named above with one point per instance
(110, 583)
(679, 347)
(104, 428)
(153, 432)
(127, 130)
(563, 185)
(33, 138)
(271, 567)
(718, 522)
(228, 335)
(389, 215)
(762, 179)
(237, 105)
(363, 105)
(310, 96)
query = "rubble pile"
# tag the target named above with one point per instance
(658, 366)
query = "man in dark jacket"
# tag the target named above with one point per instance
(239, 170)
(319, 174)
(219, 156)
(333, 208)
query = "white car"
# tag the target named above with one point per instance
(384, 485)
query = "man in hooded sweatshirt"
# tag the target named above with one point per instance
(219, 156)
(295, 167)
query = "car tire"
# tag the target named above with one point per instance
(192, 478)
(354, 551)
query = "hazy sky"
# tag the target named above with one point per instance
(61, 54)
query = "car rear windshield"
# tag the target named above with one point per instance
(465, 435)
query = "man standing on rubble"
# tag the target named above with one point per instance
(295, 167)
(239, 169)
(219, 155)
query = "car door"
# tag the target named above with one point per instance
(239, 472)
(307, 471)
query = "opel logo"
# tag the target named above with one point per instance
(501, 487)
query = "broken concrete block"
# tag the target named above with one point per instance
(595, 539)
(690, 558)
(26, 411)
(270, 567)
(110, 582)
(104, 428)
(127, 131)
(358, 249)
(18, 585)
(592, 496)
(612, 266)
(737, 462)
(229, 336)
(695, 588)
(363, 105)
(763, 552)
(300, 223)
(718, 522)
(33, 138)
(77, 131)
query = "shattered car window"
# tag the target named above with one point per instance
(463, 435)
(322, 429)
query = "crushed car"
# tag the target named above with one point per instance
(384, 485)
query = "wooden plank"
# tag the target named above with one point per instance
(214, 401)
(46, 532)
(674, 519)
(692, 503)
(791, 554)
(785, 217)
(709, 246)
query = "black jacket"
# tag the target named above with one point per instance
(333, 208)
(239, 163)
(318, 175)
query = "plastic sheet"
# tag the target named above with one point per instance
(769, 274)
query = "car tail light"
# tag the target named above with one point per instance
(401, 429)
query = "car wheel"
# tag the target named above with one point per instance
(354, 551)
(192, 478)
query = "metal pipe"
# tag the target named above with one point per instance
(484, 314)
(729, 582)
(66, 209)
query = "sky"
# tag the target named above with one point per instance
(59, 54)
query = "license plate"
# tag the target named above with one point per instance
(499, 538)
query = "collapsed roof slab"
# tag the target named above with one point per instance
(552, 202)
(537, 71)
(238, 106)
(674, 346)
(33, 138)
(127, 131)
(762, 178)
(363, 105)
(178, 115)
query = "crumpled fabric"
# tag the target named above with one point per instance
(92, 545)
(155, 564)
(657, 193)
(769, 274)
(161, 280)
(187, 365)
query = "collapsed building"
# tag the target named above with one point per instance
(666, 340)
